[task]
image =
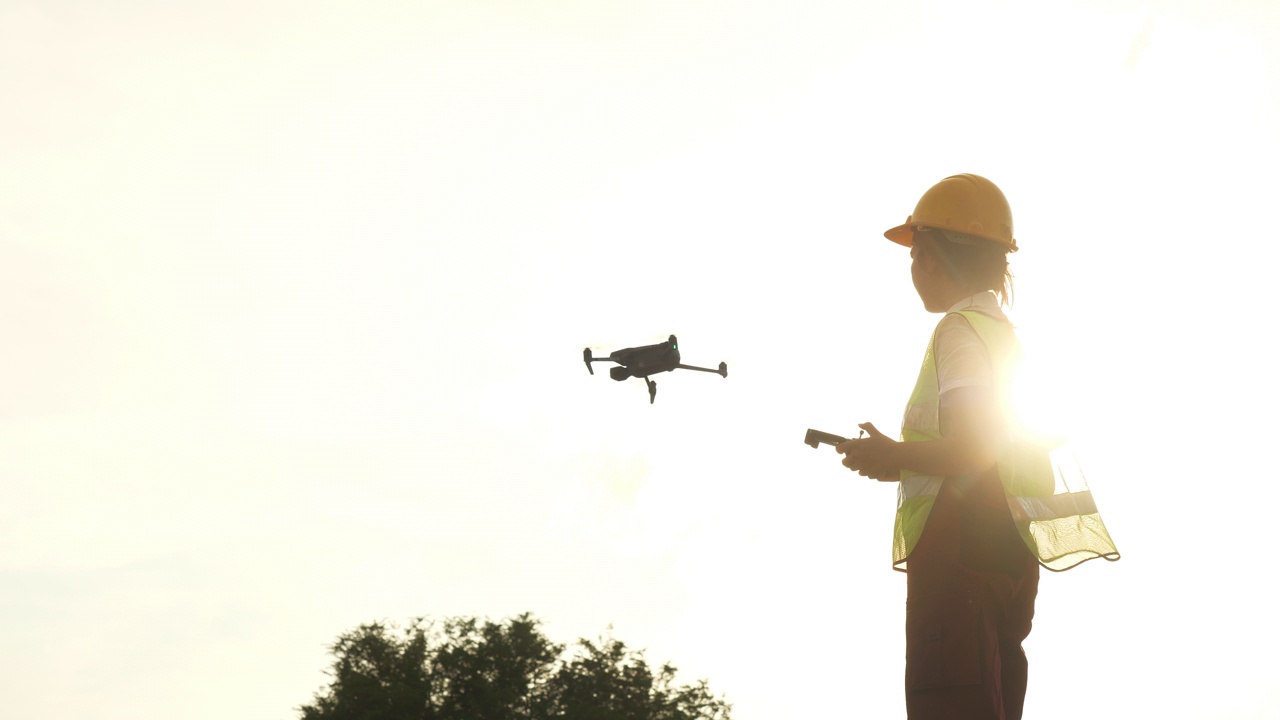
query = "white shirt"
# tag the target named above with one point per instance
(959, 354)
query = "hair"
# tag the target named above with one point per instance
(975, 263)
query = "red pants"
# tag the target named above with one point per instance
(971, 590)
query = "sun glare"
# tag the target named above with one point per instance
(1040, 401)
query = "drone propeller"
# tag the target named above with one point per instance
(586, 358)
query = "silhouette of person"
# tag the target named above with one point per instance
(971, 578)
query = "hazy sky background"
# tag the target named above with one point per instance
(293, 297)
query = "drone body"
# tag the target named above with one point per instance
(646, 360)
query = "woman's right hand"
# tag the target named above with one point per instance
(874, 456)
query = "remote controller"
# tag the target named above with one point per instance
(813, 437)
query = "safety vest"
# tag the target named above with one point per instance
(1051, 505)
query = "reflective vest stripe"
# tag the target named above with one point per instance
(1053, 506)
(919, 485)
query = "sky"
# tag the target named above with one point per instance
(293, 297)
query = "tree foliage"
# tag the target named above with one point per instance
(467, 669)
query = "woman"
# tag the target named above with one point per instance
(971, 574)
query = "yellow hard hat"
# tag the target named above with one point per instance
(962, 205)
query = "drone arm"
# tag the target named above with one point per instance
(722, 372)
(588, 358)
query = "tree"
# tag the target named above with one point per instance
(467, 669)
(606, 681)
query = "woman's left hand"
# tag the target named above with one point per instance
(872, 456)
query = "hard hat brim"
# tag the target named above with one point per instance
(904, 233)
(901, 234)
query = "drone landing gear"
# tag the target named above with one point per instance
(653, 389)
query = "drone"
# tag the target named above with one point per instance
(646, 360)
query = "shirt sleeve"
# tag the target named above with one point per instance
(960, 355)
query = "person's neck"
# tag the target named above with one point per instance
(948, 297)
